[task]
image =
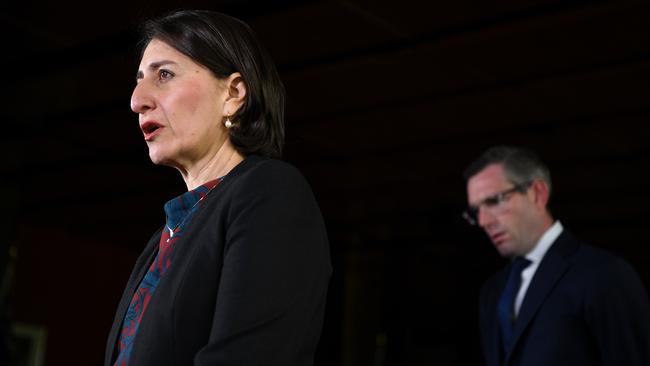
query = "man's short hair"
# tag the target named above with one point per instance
(521, 165)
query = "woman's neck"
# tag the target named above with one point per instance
(211, 167)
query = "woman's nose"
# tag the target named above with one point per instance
(141, 100)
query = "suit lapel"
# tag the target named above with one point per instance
(140, 269)
(491, 332)
(495, 338)
(552, 268)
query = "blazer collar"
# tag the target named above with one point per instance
(148, 255)
(552, 268)
(142, 265)
(494, 347)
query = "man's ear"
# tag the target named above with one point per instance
(236, 88)
(541, 193)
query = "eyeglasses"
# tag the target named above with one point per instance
(494, 203)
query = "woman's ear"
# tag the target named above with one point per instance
(236, 97)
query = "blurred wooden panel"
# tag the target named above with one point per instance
(326, 31)
(535, 106)
(91, 86)
(466, 62)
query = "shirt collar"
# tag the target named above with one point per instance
(178, 208)
(545, 242)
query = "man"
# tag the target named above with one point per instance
(559, 301)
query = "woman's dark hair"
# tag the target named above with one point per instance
(226, 45)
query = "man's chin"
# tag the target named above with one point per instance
(504, 250)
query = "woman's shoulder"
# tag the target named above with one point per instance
(272, 181)
(256, 168)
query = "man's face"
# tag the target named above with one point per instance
(512, 221)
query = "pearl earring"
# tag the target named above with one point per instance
(228, 123)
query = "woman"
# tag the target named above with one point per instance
(238, 274)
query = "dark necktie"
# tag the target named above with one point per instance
(506, 307)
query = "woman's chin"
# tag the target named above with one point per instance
(158, 158)
(154, 158)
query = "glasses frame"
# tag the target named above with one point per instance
(470, 214)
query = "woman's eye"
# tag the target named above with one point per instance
(165, 75)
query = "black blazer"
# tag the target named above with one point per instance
(583, 307)
(248, 280)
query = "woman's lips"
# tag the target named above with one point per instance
(151, 130)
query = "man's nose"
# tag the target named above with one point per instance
(485, 217)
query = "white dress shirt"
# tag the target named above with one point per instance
(535, 256)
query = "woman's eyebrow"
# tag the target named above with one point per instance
(153, 67)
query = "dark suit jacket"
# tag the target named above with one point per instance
(248, 280)
(583, 307)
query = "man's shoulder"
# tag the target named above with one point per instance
(599, 266)
(576, 250)
(595, 257)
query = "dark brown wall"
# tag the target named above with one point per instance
(387, 103)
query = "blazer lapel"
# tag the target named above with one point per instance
(495, 338)
(139, 270)
(553, 266)
(491, 333)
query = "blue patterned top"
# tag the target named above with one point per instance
(179, 211)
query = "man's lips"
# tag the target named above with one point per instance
(498, 238)
(150, 129)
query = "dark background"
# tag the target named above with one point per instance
(388, 101)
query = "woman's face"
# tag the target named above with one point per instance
(180, 105)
